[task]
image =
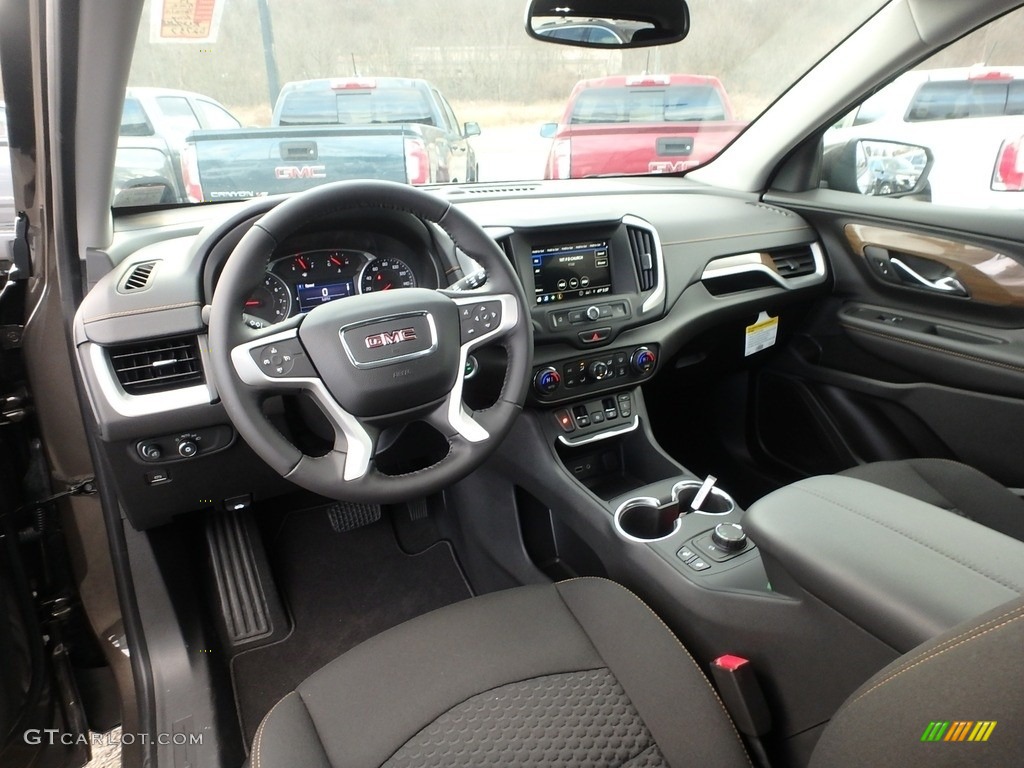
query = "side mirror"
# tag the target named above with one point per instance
(548, 130)
(471, 129)
(878, 168)
(608, 23)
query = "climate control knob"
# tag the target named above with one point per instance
(642, 360)
(547, 380)
(593, 313)
(598, 370)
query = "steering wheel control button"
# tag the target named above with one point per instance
(547, 380)
(283, 358)
(477, 320)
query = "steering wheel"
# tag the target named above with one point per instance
(372, 360)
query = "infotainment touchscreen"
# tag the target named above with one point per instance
(562, 272)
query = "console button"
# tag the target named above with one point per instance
(729, 536)
(597, 417)
(686, 554)
(699, 565)
(593, 313)
(595, 336)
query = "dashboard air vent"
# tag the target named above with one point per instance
(139, 276)
(157, 366)
(794, 262)
(505, 243)
(641, 243)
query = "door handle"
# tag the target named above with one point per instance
(948, 284)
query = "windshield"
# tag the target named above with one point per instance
(441, 92)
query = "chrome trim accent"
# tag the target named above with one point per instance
(143, 405)
(948, 285)
(396, 358)
(743, 263)
(659, 260)
(715, 491)
(358, 447)
(456, 413)
(642, 501)
(602, 435)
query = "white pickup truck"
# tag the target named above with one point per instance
(972, 120)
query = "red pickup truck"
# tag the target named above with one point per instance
(638, 125)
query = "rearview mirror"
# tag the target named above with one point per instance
(608, 23)
(878, 168)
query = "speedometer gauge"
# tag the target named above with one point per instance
(386, 274)
(271, 302)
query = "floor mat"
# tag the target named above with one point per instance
(341, 589)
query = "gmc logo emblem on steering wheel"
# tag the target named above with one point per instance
(384, 338)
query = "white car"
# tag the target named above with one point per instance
(970, 118)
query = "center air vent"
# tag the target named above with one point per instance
(794, 262)
(157, 366)
(641, 243)
(139, 276)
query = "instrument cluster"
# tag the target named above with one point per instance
(302, 280)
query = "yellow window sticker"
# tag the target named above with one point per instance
(761, 334)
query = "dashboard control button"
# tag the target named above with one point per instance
(547, 380)
(158, 476)
(595, 336)
(187, 449)
(699, 565)
(593, 313)
(150, 451)
(643, 360)
(564, 420)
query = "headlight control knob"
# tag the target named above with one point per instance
(729, 537)
(642, 360)
(187, 449)
(547, 380)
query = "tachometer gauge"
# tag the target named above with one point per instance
(386, 274)
(271, 302)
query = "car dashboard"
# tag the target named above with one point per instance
(620, 274)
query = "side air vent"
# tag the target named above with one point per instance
(641, 243)
(139, 276)
(157, 366)
(794, 262)
(505, 243)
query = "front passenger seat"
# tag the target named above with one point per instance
(952, 486)
(582, 673)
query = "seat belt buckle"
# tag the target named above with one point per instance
(742, 695)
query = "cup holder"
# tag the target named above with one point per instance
(646, 519)
(718, 501)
